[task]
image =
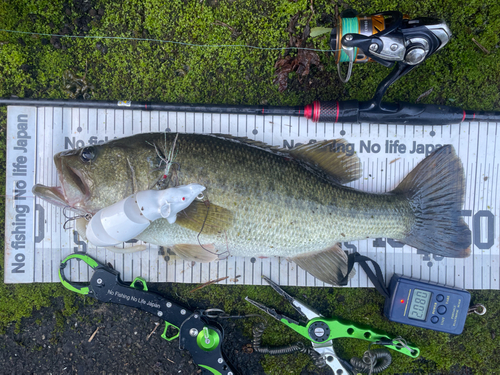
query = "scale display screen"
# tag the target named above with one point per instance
(419, 304)
(426, 304)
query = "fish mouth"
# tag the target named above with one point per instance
(77, 181)
(73, 185)
(73, 190)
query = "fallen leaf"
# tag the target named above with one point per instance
(303, 60)
(317, 31)
(425, 94)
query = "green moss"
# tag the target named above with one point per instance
(461, 74)
(439, 352)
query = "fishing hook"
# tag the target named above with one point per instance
(87, 216)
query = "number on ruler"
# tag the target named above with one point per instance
(350, 246)
(379, 242)
(476, 228)
(76, 238)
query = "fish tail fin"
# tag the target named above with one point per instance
(435, 190)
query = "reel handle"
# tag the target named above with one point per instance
(366, 44)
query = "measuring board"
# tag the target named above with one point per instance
(35, 241)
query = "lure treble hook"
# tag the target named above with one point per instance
(87, 216)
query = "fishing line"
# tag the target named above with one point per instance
(348, 26)
(172, 42)
(207, 204)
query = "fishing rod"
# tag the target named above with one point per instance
(388, 38)
(350, 111)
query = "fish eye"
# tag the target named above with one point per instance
(87, 154)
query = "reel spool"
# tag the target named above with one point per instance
(388, 38)
(364, 25)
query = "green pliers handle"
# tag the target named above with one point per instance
(320, 330)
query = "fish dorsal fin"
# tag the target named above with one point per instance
(328, 265)
(331, 157)
(248, 141)
(205, 218)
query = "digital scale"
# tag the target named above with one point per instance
(427, 305)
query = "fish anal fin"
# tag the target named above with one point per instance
(335, 158)
(126, 250)
(196, 253)
(207, 218)
(328, 265)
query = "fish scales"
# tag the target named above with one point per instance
(280, 208)
(262, 201)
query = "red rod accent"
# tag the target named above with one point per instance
(337, 118)
(308, 111)
(317, 110)
(463, 118)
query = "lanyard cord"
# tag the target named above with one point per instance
(376, 278)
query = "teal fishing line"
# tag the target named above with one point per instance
(349, 26)
(171, 42)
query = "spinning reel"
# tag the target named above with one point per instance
(388, 38)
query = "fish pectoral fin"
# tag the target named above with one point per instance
(332, 157)
(206, 218)
(328, 265)
(195, 253)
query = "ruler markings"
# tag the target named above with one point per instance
(43, 261)
(496, 273)
(42, 162)
(489, 193)
(475, 203)
(495, 269)
(55, 260)
(391, 175)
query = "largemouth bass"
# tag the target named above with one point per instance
(265, 201)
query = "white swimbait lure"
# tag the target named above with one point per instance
(129, 217)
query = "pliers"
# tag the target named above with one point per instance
(202, 338)
(322, 331)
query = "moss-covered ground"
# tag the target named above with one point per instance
(462, 74)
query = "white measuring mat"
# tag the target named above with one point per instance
(35, 241)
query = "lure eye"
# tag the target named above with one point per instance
(87, 154)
